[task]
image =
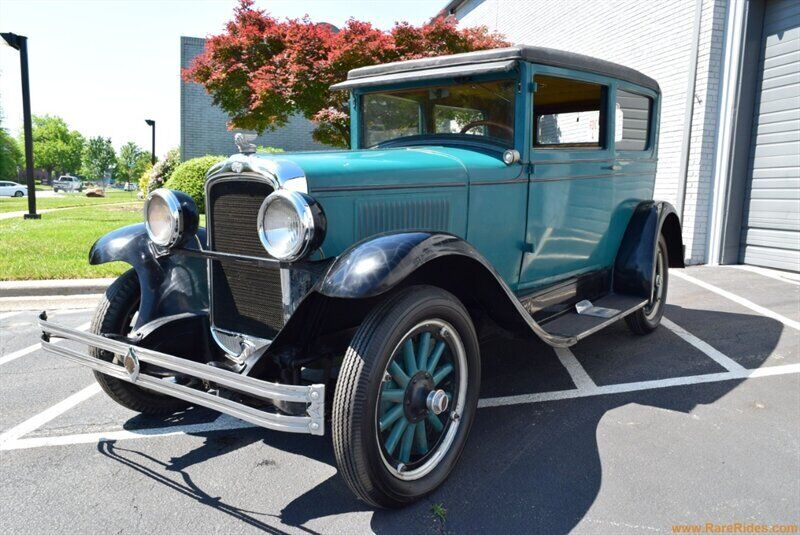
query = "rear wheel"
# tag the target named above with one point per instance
(18, 194)
(646, 319)
(406, 397)
(114, 315)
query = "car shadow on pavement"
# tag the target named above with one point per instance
(531, 468)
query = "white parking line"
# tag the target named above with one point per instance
(637, 386)
(31, 424)
(5, 359)
(574, 368)
(723, 360)
(741, 300)
(224, 423)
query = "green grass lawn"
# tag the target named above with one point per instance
(57, 245)
(65, 200)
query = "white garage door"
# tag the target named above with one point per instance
(771, 233)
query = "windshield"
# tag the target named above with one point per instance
(484, 109)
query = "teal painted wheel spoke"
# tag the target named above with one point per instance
(398, 374)
(435, 356)
(423, 349)
(435, 422)
(405, 445)
(409, 358)
(441, 373)
(394, 395)
(390, 417)
(394, 436)
(421, 438)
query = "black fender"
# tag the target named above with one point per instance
(633, 266)
(357, 280)
(170, 284)
(373, 266)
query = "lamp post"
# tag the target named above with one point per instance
(20, 43)
(153, 150)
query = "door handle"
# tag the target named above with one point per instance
(615, 167)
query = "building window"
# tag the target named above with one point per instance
(568, 113)
(632, 121)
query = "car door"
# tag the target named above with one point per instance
(5, 188)
(571, 191)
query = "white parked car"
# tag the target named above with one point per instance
(67, 183)
(12, 189)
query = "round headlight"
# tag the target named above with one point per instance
(170, 217)
(290, 225)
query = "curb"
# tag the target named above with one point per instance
(54, 287)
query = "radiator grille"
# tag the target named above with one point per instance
(245, 298)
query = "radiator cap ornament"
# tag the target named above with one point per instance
(244, 142)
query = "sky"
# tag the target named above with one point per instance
(105, 66)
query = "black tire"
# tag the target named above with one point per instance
(359, 454)
(113, 316)
(646, 320)
(19, 194)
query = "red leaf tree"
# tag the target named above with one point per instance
(261, 70)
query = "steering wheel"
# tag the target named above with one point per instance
(469, 126)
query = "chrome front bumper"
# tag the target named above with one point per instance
(312, 395)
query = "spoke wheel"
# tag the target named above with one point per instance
(646, 319)
(421, 398)
(406, 396)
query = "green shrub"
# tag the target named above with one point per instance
(261, 149)
(190, 177)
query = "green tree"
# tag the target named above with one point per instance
(56, 148)
(11, 157)
(99, 158)
(131, 163)
(262, 70)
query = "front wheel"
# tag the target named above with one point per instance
(646, 319)
(406, 397)
(114, 315)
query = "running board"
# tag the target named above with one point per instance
(575, 326)
(312, 396)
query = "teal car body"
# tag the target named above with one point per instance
(511, 187)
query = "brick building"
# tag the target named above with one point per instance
(204, 126)
(729, 71)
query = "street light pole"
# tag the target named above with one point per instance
(20, 43)
(152, 123)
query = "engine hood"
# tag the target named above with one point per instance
(407, 167)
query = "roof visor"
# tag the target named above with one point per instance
(454, 71)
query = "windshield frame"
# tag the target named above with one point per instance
(494, 144)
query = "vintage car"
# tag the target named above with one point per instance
(509, 187)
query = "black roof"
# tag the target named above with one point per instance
(533, 54)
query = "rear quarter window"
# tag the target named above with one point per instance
(632, 121)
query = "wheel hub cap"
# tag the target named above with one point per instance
(415, 401)
(437, 401)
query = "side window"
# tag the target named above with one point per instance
(568, 114)
(632, 121)
(388, 117)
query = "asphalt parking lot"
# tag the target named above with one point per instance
(698, 422)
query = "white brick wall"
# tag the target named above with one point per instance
(654, 38)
